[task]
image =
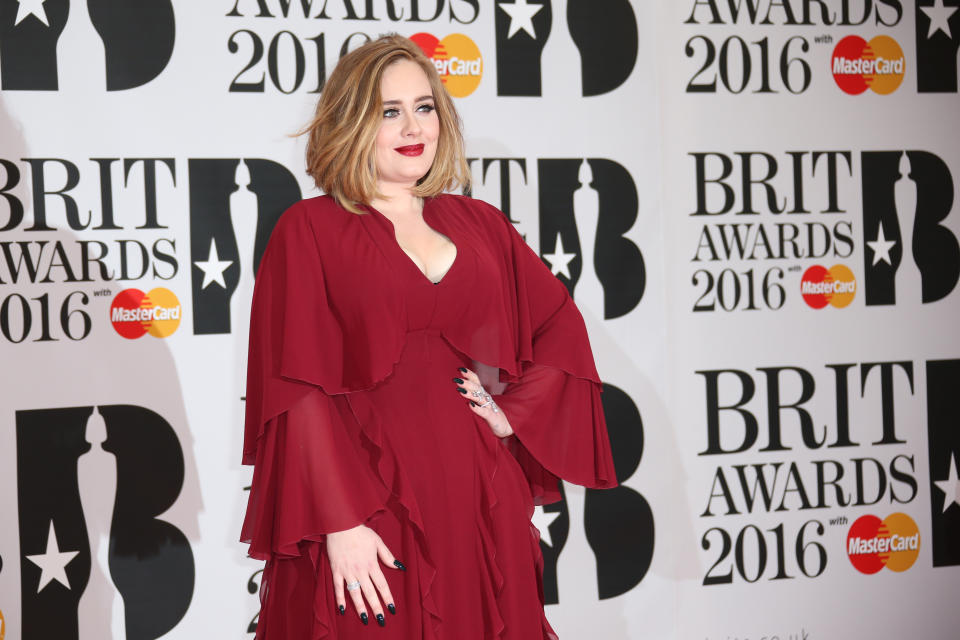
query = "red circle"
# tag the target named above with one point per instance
(849, 48)
(126, 301)
(865, 528)
(426, 41)
(815, 275)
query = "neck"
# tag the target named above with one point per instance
(398, 200)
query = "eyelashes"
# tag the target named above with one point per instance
(393, 112)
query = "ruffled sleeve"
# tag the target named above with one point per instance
(310, 477)
(560, 432)
(309, 325)
(554, 404)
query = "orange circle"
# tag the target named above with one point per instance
(3, 626)
(166, 312)
(457, 60)
(904, 541)
(843, 284)
(888, 64)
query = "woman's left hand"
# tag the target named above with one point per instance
(481, 403)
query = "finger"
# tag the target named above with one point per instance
(370, 593)
(338, 593)
(465, 385)
(357, 597)
(384, 554)
(380, 583)
(485, 412)
(388, 558)
(497, 421)
(469, 390)
(468, 374)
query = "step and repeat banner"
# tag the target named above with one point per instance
(753, 203)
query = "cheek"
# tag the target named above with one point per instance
(384, 136)
(432, 127)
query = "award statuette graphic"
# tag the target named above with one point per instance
(100, 603)
(134, 42)
(589, 205)
(588, 291)
(220, 190)
(906, 197)
(97, 559)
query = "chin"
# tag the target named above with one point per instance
(415, 176)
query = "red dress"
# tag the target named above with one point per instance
(352, 417)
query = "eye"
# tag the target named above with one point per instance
(391, 113)
(426, 108)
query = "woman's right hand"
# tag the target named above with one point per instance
(353, 555)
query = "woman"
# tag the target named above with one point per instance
(387, 479)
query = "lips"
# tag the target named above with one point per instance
(410, 150)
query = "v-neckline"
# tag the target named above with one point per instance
(392, 230)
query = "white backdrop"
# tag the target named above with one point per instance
(683, 166)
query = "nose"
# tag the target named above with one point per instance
(411, 127)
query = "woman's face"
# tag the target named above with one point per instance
(407, 139)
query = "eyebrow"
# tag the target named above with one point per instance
(420, 99)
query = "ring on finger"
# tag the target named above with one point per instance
(353, 586)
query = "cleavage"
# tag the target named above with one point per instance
(437, 264)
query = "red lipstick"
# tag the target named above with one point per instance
(410, 150)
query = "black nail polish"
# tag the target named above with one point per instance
(461, 390)
(399, 565)
(381, 620)
(392, 609)
(342, 610)
(461, 370)
(472, 403)
(458, 380)
(363, 618)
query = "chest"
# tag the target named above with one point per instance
(430, 251)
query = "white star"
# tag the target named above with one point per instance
(213, 267)
(521, 17)
(559, 261)
(950, 486)
(53, 563)
(881, 247)
(542, 521)
(939, 16)
(31, 8)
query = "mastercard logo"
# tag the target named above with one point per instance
(134, 313)
(859, 65)
(457, 59)
(820, 287)
(873, 544)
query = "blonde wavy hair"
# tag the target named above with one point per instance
(342, 135)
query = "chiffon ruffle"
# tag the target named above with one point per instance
(331, 323)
